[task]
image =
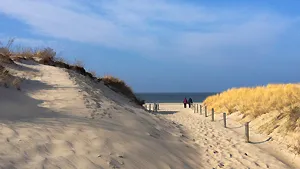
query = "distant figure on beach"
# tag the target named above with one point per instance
(190, 102)
(185, 102)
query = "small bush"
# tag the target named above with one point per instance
(78, 63)
(61, 64)
(91, 76)
(140, 102)
(6, 50)
(93, 73)
(6, 79)
(46, 54)
(78, 69)
(46, 61)
(121, 87)
(5, 59)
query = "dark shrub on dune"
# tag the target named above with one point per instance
(121, 87)
(46, 61)
(90, 75)
(140, 102)
(47, 56)
(6, 59)
(62, 64)
(78, 69)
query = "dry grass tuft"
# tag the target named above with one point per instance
(120, 86)
(78, 63)
(24, 53)
(5, 59)
(46, 54)
(276, 106)
(93, 73)
(5, 52)
(6, 79)
(18, 53)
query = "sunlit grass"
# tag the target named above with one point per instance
(279, 104)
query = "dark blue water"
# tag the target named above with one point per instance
(172, 97)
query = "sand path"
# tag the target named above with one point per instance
(220, 147)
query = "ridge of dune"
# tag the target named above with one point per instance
(61, 119)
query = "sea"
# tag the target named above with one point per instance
(172, 97)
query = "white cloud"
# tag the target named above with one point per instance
(151, 27)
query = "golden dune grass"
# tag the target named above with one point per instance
(276, 105)
(118, 84)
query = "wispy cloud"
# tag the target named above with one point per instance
(150, 27)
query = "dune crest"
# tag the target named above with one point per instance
(61, 119)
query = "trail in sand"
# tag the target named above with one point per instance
(220, 147)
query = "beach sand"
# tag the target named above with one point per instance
(64, 120)
(226, 147)
(61, 119)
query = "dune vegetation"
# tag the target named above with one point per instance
(9, 54)
(274, 109)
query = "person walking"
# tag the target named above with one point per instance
(190, 102)
(185, 101)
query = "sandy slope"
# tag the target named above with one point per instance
(226, 148)
(62, 120)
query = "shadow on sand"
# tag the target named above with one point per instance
(165, 112)
(260, 142)
(18, 106)
(236, 127)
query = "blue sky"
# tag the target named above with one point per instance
(166, 45)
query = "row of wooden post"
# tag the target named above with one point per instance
(198, 109)
(152, 107)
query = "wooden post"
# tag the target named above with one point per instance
(194, 108)
(247, 132)
(153, 109)
(197, 108)
(201, 109)
(212, 114)
(205, 111)
(157, 106)
(224, 118)
(150, 107)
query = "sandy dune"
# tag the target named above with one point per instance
(226, 148)
(63, 120)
